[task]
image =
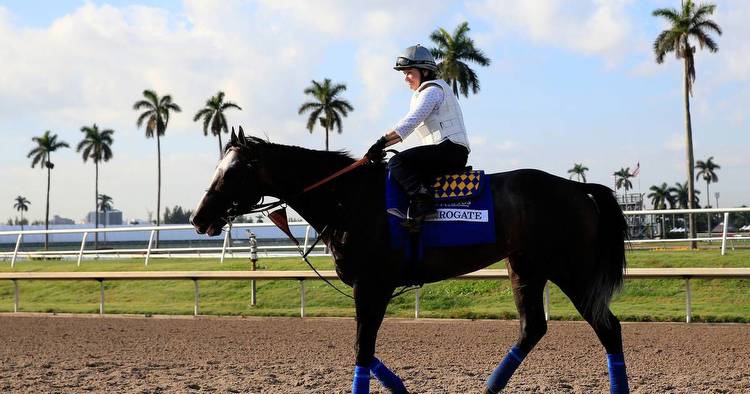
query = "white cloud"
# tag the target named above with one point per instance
(675, 142)
(597, 27)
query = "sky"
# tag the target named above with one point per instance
(569, 82)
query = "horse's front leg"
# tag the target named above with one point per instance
(371, 301)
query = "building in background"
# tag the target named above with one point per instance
(56, 219)
(113, 217)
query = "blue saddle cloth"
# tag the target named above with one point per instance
(465, 214)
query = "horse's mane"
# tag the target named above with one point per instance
(293, 151)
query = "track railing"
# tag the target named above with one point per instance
(488, 274)
(282, 251)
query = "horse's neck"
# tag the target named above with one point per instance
(295, 172)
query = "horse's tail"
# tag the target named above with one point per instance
(610, 265)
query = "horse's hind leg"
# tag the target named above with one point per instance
(607, 329)
(528, 294)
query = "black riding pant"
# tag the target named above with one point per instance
(417, 167)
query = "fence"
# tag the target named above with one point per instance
(302, 276)
(280, 250)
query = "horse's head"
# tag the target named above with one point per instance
(234, 187)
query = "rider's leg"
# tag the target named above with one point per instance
(414, 169)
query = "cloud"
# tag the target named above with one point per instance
(675, 142)
(595, 27)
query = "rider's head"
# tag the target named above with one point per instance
(417, 64)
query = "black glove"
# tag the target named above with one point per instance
(376, 152)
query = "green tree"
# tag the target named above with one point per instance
(41, 154)
(680, 193)
(328, 107)
(22, 205)
(689, 22)
(105, 205)
(97, 146)
(177, 215)
(213, 117)
(455, 51)
(622, 179)
(661, 196)
(707, 171)
(578, 171)
(156, 115)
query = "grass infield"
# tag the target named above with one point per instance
(717, 300)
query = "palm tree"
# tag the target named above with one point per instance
(454, 51)
(104, 206)
(97, 146)
(327, 107)
(22, 205)
(578, 171)
(213, 115)
(41, 154)
(687, 22)
(156, 116)
(680, 193)
(706, 171)
(622, 179)
(661, 196)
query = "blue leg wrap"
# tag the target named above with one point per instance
(387, 378)
(618, 378)
(501, 375)
(361, 383)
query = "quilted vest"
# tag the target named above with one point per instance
(444, 123)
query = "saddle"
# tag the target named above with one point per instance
(464, 213)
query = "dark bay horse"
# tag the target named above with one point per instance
(584, 256)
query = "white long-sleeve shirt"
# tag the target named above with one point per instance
(428, 100)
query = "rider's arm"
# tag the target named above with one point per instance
(428, 99)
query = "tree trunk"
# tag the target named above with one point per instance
(221, 151)
(326, 138)
(689, 146)
(96, 204)
(708, 198)
(158, 186)
(46, 210)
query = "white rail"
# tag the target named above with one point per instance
(488, 274)
(279, 251)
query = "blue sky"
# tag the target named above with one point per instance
(569, 83)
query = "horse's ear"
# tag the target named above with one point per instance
(241, 136)
(233, 137)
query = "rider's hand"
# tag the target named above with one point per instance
(376, 152)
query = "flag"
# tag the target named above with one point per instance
(637, 169)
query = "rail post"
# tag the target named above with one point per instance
(301, 298)
(224, 245)
(307, 236)
(148, 249)
(80, 251)
(416, 303)
(101, 297)
(15, 296)
(15, 251)
(724, 234)
(688, 299)
(253, 241)
(546, 301)
(196, 306)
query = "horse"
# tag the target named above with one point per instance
(586, 259)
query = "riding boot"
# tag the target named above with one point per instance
(422, 204)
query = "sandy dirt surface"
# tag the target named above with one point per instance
(62, 354)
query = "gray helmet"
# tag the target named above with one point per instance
(416, 56)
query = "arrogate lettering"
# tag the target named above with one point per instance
(459, 215)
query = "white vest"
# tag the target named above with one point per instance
(444, 123)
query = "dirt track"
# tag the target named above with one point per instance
(287, 355)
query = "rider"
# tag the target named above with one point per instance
(435, 114)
